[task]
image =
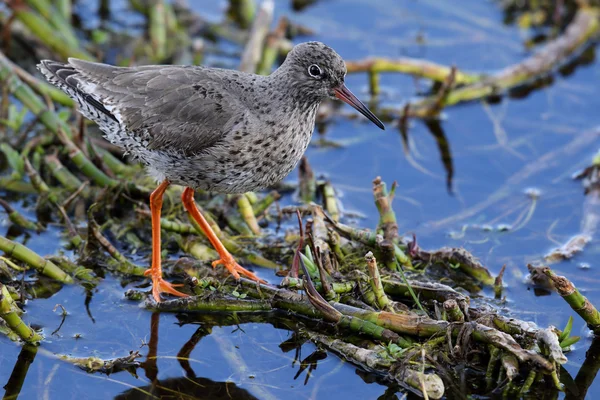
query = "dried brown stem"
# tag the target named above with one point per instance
(467, 263)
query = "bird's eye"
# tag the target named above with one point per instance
(314, 71)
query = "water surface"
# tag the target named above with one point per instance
(490, 144)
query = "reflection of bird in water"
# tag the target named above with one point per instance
(188, 388)
(185, 387)
(208, 128)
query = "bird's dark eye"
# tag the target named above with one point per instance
(314, 71)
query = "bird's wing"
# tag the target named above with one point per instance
(184, 109)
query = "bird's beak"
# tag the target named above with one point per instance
(344, 94)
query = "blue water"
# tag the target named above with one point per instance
(489, 143)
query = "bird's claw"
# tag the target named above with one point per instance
(235, 269)
(159, 285)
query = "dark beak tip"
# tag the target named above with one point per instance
(344, 94)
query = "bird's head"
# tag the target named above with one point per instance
(316, 72)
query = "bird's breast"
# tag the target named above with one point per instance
(257, 152)
(261, 153)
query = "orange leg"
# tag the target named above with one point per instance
(226, 258)
(159, 285)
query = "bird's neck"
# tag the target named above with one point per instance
(296, 92)
(291, 109)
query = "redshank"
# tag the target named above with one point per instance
(208, 128)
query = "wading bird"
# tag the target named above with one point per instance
(208, 128)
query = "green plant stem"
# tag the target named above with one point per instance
(4, 291)
(157, 30)
(337, 287)
(236, 223)
(232, 246)
(453, 311)
(402, 258)
(117, 166)
(17, 218)
(198, 249)
(263, 204)
(374, 86)
(247, 213)
(57, 20)
(383, 301)
(32, 101)
(24, 94)
(459, 257)
(214, 303)
(331, 205)
(176, 226)
(64, 176)
(118, 262)
(41, 87)
(47, 33)
(77, 271)
(18, 186)
(528, 382)
(420, 68)
(308, 183)
(52, 197)
(491, 367)
(65, 8)
(272, 47)
(22, 253)
(14, 321)
(387, 216)
(578, 302)
(85, 165)
(583, 26)
(252, 197)
(368, 238)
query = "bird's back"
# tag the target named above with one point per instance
(173, 108)
(210, 128)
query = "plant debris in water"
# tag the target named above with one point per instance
(369, 296)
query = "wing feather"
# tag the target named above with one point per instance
(176, 108)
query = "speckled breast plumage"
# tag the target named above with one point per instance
(240, 162)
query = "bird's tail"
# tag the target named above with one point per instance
(70, 80)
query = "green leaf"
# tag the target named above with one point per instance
(15, 117)
(64, 115)
(569, 341)
(567, 331)
(14, 160)
(393, 347)
(235, 293)
(410, 289)
(310, 266)
(308, 254)
(394, 350)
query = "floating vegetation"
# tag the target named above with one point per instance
(371, 296)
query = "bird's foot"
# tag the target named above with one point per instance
(159, 285)
(236, 269)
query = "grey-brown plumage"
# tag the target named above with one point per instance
(209, 128)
